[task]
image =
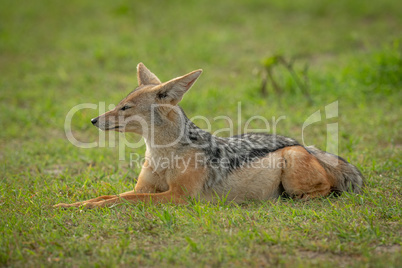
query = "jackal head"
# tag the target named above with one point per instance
(136, 112)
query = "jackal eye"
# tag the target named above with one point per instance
(162, 95)
(125, 107)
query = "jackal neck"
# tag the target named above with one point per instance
(175, 131)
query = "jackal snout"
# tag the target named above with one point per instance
(106, 121)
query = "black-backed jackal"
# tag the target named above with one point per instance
(249, 166)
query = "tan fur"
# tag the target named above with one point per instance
(299, 172)
(303, 177)
(258, 181)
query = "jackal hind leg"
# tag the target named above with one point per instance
(303, 177)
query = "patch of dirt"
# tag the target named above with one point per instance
(341, 259)
(55, 170)
(388, 249)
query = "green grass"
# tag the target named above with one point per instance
(54, 55)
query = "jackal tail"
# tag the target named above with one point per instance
(345, 177)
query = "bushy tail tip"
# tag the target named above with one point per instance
(346, 177)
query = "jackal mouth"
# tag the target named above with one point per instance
(116, 127)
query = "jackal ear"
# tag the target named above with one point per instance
(173, 90)
(145, 76)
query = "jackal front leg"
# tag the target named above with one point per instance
(146, 183)
(97, 199)
(183, 186)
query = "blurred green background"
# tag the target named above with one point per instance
(57, 54)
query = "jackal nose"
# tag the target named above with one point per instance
(94, 121)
